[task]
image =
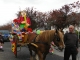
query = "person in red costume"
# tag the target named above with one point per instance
(24, 21)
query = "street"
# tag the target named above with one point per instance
(24, 54)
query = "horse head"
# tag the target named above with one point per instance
(58, 39)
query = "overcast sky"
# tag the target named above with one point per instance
(11, 7)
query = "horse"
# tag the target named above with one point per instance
(40, 44)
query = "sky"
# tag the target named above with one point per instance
(9, 8)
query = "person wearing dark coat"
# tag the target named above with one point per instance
(71, 44)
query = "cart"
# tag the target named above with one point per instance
(18, 36)
(16, 44)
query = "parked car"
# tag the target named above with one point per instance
(5, 34)
(6, 37)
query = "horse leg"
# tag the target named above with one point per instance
(40, 55)
(36, 57)
(31, 56)
(46, 51)
(45, 54)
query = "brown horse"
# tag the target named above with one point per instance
(40, 44)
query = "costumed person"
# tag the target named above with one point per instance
(15, 26)
(51, 50)
(1, 42)
(24, 21)
(16, 29)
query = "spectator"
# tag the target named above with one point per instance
(71, 44)
(1, 42)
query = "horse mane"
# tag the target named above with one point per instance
(46, 36)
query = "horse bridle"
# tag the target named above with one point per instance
(56, 36)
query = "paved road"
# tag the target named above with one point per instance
(24, 54)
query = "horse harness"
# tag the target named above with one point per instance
(34, 43)
(56, 36)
